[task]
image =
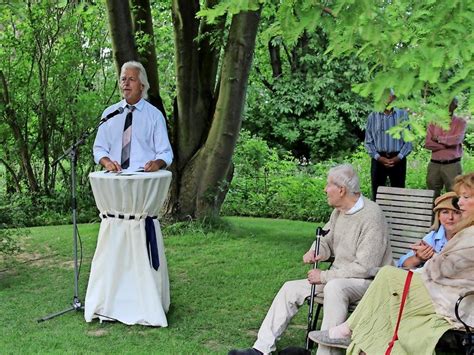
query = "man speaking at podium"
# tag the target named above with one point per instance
(129, 279)
(134, 134)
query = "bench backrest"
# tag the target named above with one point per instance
(409, 215)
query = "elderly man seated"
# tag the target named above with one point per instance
(358, 241)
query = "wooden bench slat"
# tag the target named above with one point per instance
(419, 199)
(405, 191)
(410, 224)
(409, 240)
(409, 210)
(417, 217)
(390, 203)
(401, 234)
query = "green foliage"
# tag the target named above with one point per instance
(38, 209)
(266, 185)
(279, 187)
(56, 63)
(9, 242)
(309, 109)
(228, 7)
(424, 50)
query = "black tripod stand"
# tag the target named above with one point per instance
(76, 302)
(72, 153)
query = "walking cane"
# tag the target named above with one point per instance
(319, 233)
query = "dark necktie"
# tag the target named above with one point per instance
(127, 138)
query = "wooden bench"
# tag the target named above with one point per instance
(409, 215)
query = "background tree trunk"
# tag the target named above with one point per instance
(22, 144)
(143, 25)
(204, 167)
(275, 59)
(121, 30)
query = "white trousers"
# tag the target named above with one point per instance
(338, 294)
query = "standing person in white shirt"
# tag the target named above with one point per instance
(149, 146)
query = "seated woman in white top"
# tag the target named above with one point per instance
(446, 216)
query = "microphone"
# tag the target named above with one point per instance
(112, 114)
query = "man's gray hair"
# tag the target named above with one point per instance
(141, 75)
(344, 175)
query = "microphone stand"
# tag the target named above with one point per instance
(72, 153)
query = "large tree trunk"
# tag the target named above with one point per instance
(143, 25)
(204, 167)
(123, 39)
(123, 31)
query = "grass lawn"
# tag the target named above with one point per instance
(222, 284)
(221, 287)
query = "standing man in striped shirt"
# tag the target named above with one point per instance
(388, 154)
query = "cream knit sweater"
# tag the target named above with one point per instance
(359, 243)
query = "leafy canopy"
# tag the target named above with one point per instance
(421, 49)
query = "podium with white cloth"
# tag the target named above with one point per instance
(129, 279)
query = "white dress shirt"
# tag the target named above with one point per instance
(358, 205)
(149, 136)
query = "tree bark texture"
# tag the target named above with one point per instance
(275, 59)
(143, 24)
(121, 30)
(22, 143)
(206, 142)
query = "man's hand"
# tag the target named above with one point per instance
(309, 257)
(385, 161)
(423, 251)
(154, 165)
(314, 276)
(395, 160)
(110, 165)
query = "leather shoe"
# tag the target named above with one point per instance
(322, 337)
(250, 351)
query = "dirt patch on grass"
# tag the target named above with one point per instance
(252, 333)
(213, 346)
(35, 259)
(69, 264)
(98, 333)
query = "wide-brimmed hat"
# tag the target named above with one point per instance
(446, 201)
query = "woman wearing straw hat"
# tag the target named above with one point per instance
(442, 230)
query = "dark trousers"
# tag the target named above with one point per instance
(379, 174)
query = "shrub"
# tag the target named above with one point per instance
(268, 184)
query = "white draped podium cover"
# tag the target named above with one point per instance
(123, 285)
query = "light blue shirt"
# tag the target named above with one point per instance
(378, 140)
(149, 136)
(437, 240)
